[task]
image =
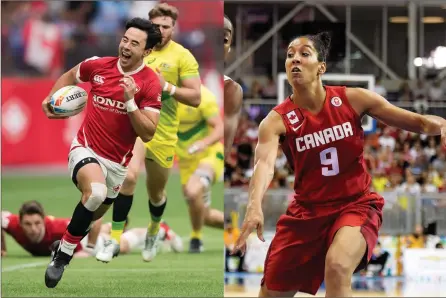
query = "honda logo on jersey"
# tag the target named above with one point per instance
(108, 104)
(292, 117)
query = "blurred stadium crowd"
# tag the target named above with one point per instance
(44, 38)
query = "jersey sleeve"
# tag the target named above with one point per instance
(9, 222)
(188, 66)
(151, 98)
(208, 107)
(86, 68)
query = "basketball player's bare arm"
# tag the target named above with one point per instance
(232, 106)
(265, 157)
(367, 102)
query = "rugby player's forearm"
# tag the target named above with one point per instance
(188, 96)
(67, 79)
(215, 136)
(144, 126)
(261, 179)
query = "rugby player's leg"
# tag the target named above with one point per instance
(93, 234)
(89, 177)
(115, 178)
(198, 195)
(156, 181)
(123, 202)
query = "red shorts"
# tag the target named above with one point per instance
(296, 256)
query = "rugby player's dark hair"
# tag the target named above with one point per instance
(164, 10)
(321, 43)
(31, 208)
(153, 31)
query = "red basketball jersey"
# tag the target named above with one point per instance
(325, 150)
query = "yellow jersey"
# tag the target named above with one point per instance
(193, 125)
(175, 63)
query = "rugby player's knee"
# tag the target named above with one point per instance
(95, 196)
(130, 181)
(193, 191)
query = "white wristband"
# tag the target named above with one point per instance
(174, 88)
(166, 85)
(131, 105)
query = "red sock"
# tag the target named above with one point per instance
(69, 243)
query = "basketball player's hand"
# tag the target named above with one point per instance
(160, 77)
(253, 220)
(48, 110)
(129, 86)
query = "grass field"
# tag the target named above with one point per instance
(169, 274)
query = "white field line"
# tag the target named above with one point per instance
(23, 266)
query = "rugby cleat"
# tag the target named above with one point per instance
(196, 246)
(109, 251)
(150, 247)
(56, 268)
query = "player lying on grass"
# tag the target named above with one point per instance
(133, 239)
(36, 232)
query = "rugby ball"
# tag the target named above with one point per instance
(69, 100)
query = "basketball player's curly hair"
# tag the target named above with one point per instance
(153, 31)
(321, 43)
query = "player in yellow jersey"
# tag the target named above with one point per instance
(201, 162)
(178, 73)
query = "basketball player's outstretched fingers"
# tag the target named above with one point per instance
(260, 231)
(240, 244)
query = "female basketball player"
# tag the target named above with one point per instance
(331, 227)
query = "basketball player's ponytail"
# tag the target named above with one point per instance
(323, 41)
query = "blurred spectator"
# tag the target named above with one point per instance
(436, 92)
(405, 93)
(377, 262)
(256, 90)
(380, 89)
(386, 140)
(417, 239)
(230, 236)
(269, 91)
